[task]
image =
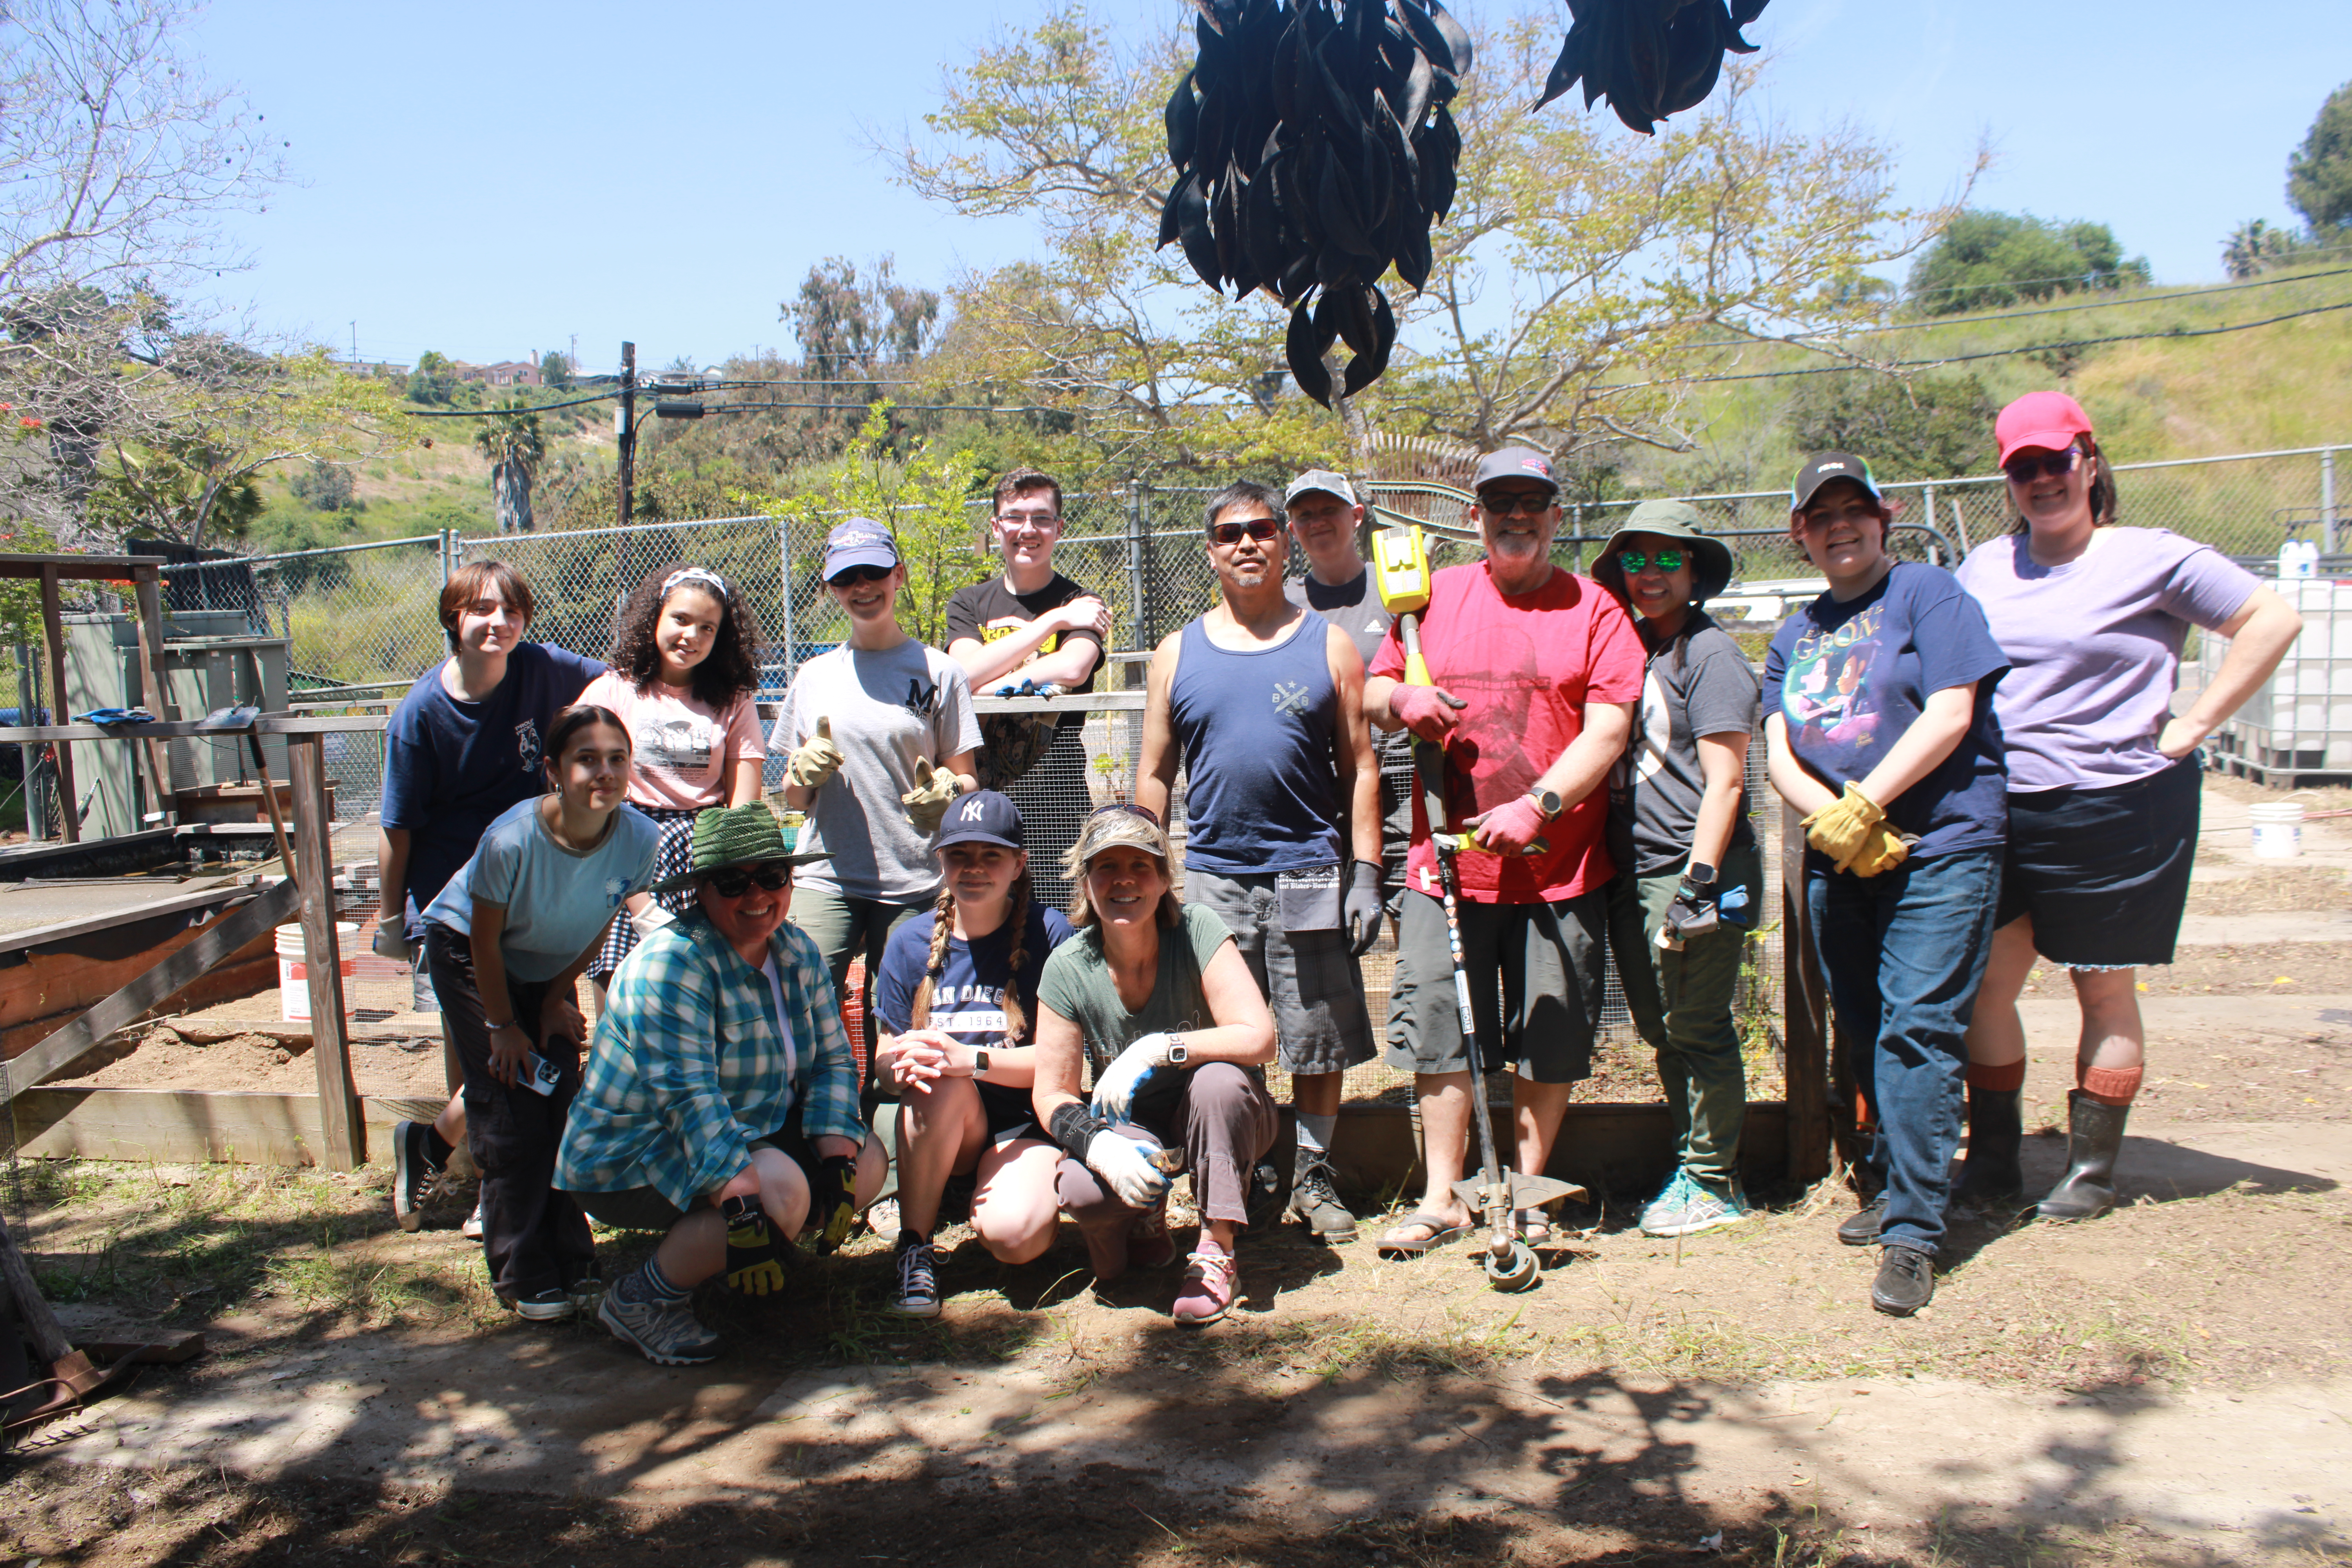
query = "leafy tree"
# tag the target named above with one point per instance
(922, 496)
(1582, 277)
(1922, 427)
(433, 382)
(2319, 176)
(850, 329)
(1987, 260)
(2254, 248)
(555, 371)
(510, 438)
(324, 486)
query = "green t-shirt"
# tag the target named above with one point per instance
(1077, 984)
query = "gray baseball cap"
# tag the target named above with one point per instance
(1515, 463)
(1322, 479)
(860, 541)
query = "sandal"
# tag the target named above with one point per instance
(1534, 1226)
(1441, 1231)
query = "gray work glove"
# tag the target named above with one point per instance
(1361, 909)
(390, 939)
(1126, 1167)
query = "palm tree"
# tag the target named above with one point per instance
(510, 438)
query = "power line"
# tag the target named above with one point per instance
(1930, 322)
(524, 408)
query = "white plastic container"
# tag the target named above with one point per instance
(2278, 829)
(2298, 558)
(294, 973)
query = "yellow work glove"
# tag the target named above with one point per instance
(1882, 850)
(1837, 830)
(755, 1265)
(816, 759)
(928, 801)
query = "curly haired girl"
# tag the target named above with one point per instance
(685, 667)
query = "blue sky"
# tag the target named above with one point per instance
(493, 178)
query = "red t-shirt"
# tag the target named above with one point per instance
(1526, 663)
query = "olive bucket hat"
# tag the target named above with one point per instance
(747, 834)
(1678, 521)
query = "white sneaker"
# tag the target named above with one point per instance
(472, 1229)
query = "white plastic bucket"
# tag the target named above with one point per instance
(2278, 829)
(294, 974)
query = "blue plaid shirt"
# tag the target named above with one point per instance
(687, 1066)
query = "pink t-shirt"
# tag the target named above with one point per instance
(2093, 648)
(1526, 663)
(685, 752)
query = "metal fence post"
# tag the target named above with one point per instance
(2327, 501)
(446, 565)
(785, 580)
(1139, 577)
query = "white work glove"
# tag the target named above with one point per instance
(928, 801)
(1121, 1082)
(1126, 1166)
(390, 939)
(651, 919)
(816, 759)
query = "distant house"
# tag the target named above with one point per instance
(505, 373)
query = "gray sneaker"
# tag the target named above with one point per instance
(666, 1334)
(1689, 1205)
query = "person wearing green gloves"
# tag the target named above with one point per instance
(1688, 877)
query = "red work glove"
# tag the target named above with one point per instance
(1427, 711)
(1510, 829)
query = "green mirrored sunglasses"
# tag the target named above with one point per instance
(1635, 563)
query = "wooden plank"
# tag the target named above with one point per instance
(40, 1324)
(1605, 1147)
(41, 936)
(159, 984)
(341, 1128)
(1805, 1017)
(82, 568)
(1095, 702)
(318, 724)
(169, 1126)
(53, 626)
(161, 729)
(149, 624)
(246, 973)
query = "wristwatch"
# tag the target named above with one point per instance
(1177, 1052)
(979, 1062)
(1547, 801)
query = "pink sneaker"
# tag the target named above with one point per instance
(1149, 1244)
(1208, 1290)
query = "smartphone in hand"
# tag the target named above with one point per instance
(538, 1073)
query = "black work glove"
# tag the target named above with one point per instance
(1362, 908)
(755, 1264)
(1693, 912)
(832, 1202)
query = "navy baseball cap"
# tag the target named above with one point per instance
(983, 816)
(860, 541)
(1513, 463)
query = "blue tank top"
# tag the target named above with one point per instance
(1258, 730)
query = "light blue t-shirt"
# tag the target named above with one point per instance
(556, 900)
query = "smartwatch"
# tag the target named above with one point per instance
(979, 1061)
(1547, 801)
(1177, 1052)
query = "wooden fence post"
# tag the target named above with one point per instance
(341, 1130)
(60, 712)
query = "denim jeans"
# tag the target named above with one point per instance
(1681, 1003)
(1904, 950)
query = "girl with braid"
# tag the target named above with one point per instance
(956, 999)
(685, 667)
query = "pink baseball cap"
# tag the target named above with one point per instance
(2047, 419)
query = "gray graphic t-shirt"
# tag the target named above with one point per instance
(1708, 689)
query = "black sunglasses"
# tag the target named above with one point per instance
(2024, 468)
(1130, 808)
(1258, 528)
(734, 882)
(1528, 503)
(848, 574)
(1635, 563)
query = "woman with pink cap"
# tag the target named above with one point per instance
(2103, 779)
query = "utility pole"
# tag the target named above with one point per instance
(625, 425)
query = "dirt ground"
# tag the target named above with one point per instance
(2170, 1385)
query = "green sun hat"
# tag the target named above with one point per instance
(747, 834)
(1679, 520)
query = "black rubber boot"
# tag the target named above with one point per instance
(1996, 1126)
(2095, 1134)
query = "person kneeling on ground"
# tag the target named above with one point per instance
(1154, 995)
(956, 1000)
(720, 1099)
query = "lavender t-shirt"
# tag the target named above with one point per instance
(2094, 648)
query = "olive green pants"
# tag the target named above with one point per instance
(1681, 1003)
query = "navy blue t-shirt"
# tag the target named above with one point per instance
(1849, 679)
(452, 768)
(968, 1001)
(1258, 727)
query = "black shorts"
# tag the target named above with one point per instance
(2104, 872)
(648, 1208)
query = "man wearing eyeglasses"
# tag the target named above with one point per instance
(1535, 672)
(1029, 628)
(1264, 700)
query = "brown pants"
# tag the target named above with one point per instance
(1225, 1121)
